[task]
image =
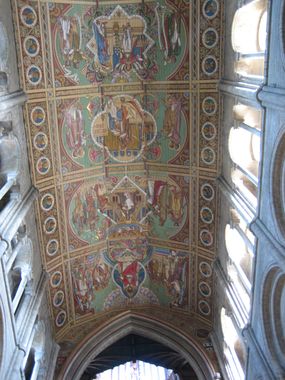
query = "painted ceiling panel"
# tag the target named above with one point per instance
(123, 128)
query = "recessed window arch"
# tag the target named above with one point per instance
(247, 115)
(249, 38)
(234, 350)
(239, 265)
(3, 81)
(35, 353)
(250, 67)
(244, 148)
(239, 252)
(9, 158)
(278, 185)
(249, 28)
(19, 268)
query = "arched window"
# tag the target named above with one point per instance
(3, 82)
(33, 359)
(19, 269)
(244, 148)
(248, 116)
(249, 38)
(9, 158)
(239, 263)
(251, 66)
(249, 28)
(234, 350)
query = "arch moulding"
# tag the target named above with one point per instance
(134, 323)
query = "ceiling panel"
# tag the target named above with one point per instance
(122, 121)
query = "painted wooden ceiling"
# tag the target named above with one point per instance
(122, 121)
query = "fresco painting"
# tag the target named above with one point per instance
(74, 119)
(117, 86)
(113, 44)
(109, 207)
(90, 276)
(119, 206)
(171, 112)
(85, 219)
(168, 271)
(124, 131)
(129, 271)
(168, 203)
(128, 258)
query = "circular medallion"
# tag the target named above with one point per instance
(47, 202)
(206, 237)
(204, 307)
(58, 298)
(205, 269)
(31, 46)
(208, 156)
(210, 38)
(209, 131)
(205, 289)
(56, 279)
(209, 106)
(210, 9)
(34, 75)
(52, 247)
(60, 318)
(206, 215)
(209, 65)
(186, 76)
(43, 165)
(40, 141)
(28, 16)
(49, 225)
(38, 115)
(207, 192)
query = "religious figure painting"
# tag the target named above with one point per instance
(169, 29)
(77, 147)
(86, 222)
(172, 121)
(124, 129)
(118, 43)
(107, 207)
(90, 276)
(70, 41)
(171, 112)
(128, 258)
(167, 201)
(169, 270)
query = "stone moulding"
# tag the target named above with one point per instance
(133, 323)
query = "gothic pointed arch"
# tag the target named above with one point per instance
(134, 323)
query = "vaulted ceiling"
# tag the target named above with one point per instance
(122, 121)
